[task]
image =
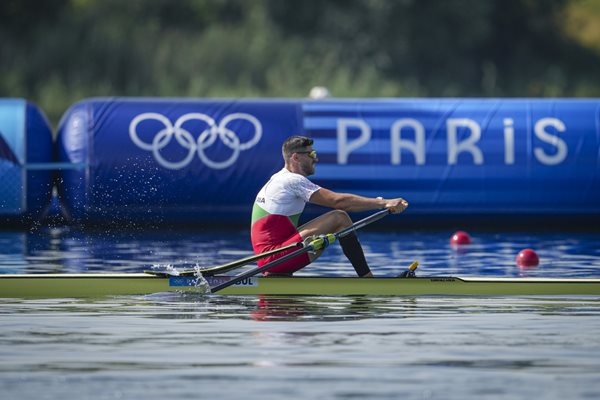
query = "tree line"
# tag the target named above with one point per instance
(56, 52)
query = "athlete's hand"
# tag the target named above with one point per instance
(396, 205)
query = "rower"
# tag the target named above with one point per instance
(281, 201)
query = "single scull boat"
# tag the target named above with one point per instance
(107, 284)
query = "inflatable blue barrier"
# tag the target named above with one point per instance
(25, 153)
(203, 161)
(170, 160)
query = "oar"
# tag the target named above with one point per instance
(362, 223)
(220, 269)
(317, 244)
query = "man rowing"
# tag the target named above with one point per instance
(282, 199)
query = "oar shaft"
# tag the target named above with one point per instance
(240, 263)
(363, 222)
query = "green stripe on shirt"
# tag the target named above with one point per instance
(258, 212)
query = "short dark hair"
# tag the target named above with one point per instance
(294, 144)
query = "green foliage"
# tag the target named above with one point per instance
(57, 52)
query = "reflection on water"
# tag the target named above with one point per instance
(182, 346)
(273, 308)
(346, 308)
(69, 250)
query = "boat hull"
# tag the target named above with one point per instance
(98, 285)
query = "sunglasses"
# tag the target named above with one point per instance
(312, 154)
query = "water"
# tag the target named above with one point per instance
(171, 345)
(491, 254)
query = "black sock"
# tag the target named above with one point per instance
(353, 250)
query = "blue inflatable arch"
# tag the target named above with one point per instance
(203, 161)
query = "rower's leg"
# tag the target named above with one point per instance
(335, 221)
(353, 250)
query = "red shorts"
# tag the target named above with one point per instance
(272, 232)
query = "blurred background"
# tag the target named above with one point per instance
(57, 52)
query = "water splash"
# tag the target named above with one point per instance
(165, 268)
(201, 283)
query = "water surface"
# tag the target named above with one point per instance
(190, 346)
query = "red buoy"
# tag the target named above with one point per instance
(460, 238)
(527, 258)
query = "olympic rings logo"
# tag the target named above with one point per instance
(185, 138)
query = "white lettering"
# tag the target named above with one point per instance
(468, 145)
(417, 147)
(509, 141)
(546, 129)
(345, 147)
(561, 146)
